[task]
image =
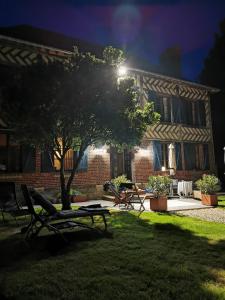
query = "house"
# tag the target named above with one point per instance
(185, 121)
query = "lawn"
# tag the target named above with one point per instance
(155, 256)
(221, 201)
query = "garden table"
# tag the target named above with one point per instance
(184, 188)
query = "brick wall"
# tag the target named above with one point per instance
(98, 172)
(142, 167)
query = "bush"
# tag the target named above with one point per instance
(74, 192)
(120, 179)
(160, 185)
(209, 184)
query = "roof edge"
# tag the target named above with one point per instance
(211, 89)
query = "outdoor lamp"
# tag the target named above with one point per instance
(99, 150)
(122, 71)
(163, 169)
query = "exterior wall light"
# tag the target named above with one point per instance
(122, 71)
(99, 151)
(143, 152)
(163, 169)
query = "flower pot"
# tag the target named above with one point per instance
(158, 204)
(78, 198)
(209, 200)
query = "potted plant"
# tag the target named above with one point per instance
(160, 186)
(77, 196)
(208, 185)
(118, 180)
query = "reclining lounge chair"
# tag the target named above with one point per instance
(55, 220)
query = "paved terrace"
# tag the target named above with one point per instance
(174, 204)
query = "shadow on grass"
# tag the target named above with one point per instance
(146, 259)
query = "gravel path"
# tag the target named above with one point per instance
(208, 214)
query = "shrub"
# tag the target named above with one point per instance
(209, 184)
(74, 192)
(160, 185)
(120, 179)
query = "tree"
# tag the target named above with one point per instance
(73, 104)
(170, 62)
(213, 74)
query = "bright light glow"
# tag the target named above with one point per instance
(99, 151)
(122, 71)
(163, 169)
(143, 152)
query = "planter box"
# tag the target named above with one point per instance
(78, 198)
(158, 204)
(209, 200)
(197, 194)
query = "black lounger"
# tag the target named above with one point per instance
(55, 220)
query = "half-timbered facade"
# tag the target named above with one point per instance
(185, 122)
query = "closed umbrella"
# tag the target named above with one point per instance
(172, 159)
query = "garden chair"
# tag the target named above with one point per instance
(138, 196)
(9, 203)
(120, 198)
(55, 220)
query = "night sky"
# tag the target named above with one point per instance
(144, 28)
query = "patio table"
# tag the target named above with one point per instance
(184, 188)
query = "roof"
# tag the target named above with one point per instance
(57, 44)
(179, 81)
(49, 39)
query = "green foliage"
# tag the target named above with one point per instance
(214, 65)
(120, 179)
(75, 192)
(209, 184)
(77, 101)
(113, 56)
(159, 185)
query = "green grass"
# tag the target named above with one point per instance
(156, 256)
(221, 201)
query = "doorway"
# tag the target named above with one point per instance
(120, 162)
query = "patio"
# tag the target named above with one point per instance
(174, 204)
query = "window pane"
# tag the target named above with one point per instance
(68, 163)
(157, 156)
(167, 109)
(200, 115)
(14, 159)
(3, 152)
(178, 156)
(189, 156)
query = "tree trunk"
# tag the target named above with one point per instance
(75, 166)
(66, 204)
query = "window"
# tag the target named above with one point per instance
(167, 110)
(186, 112)
(3, 152)
(162, 105)
(161, 155)
(14, 157)
(68, 161)
(200, 114)
(49, 162)
(196, 156)
(165, 151)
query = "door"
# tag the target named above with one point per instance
(120, 163)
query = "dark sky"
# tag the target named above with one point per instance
(144, 27)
